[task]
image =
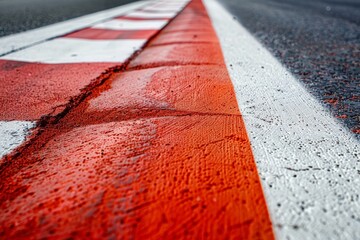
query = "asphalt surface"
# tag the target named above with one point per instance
(318, 41)
(21, 15)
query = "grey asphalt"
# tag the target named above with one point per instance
(318, 41)
(21, 15)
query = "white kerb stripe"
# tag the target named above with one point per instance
(308, 162)
(157, 9)
(169, 4)
(132, 24)
(25, 39)
(177, 3)
(70, 50)
(163, 6)
(141, 14)
(160, 4)
(13, 134)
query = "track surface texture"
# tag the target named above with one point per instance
(318, 41)
(159, 151)
(21, 15)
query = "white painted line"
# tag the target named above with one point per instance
(132, 24)
(25, 39)
(308, 163)
(71, 50)
(141, 14)
(170, 4)
(161, 6)
(173, 3)
(13, 134)
(158, 9)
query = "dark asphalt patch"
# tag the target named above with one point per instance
(21, 15)
(318, 41)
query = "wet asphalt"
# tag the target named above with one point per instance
(318, 41)
(21, 15)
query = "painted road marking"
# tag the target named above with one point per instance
(307, 161)
(161, 9)
(39, 89)
(42, 77)
(95, 33)
(13, 134)
(167, 54)
(154, 153)
(161, 6)
(173, 37)
(149, 15)
(123, 24)
(29, 38)
(70, 50)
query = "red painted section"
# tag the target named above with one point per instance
(178, 54)
(190, 36)
(106, 34)
(172, 89)
(30, 90)
(155, 153)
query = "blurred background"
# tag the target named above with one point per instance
(21, 15)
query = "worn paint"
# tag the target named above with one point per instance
(159, 152)
(30, 90)
(13, 134)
